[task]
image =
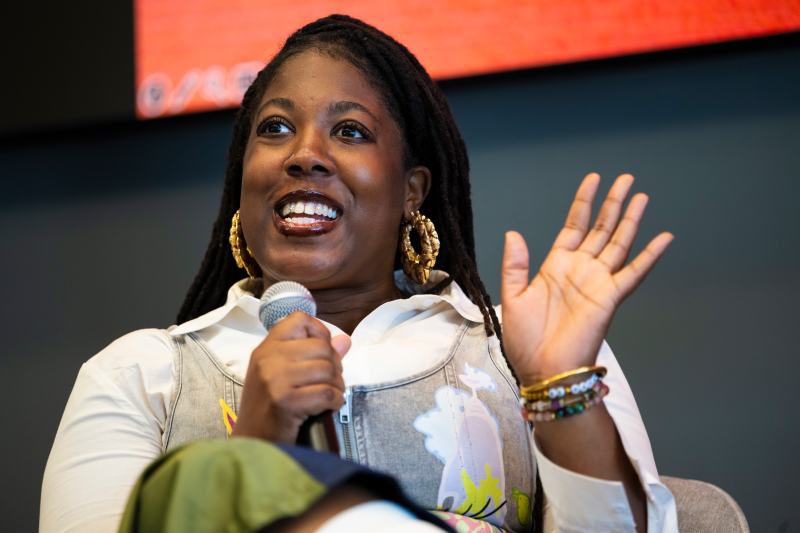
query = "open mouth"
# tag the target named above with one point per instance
(304, 213)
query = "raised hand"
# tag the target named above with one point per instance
(295, 373)
(557, 321)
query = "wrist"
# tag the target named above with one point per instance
(547, 369)
(562, 375)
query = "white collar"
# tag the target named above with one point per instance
(242, 295)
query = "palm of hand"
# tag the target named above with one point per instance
(557, 321)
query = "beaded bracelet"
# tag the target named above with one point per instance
(565, 412)
(543, 385)
(560, 392)
(557, 403)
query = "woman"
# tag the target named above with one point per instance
(341, 142)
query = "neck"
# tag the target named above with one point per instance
(347, 307)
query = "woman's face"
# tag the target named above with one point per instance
(324, 187)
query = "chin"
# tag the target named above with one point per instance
(314, 270)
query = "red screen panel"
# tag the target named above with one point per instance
(196, 55)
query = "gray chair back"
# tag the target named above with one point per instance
(705, 508)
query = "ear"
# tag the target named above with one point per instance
(418, 183)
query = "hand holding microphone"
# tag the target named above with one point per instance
(296, 371)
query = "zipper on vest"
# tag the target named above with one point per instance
(345, 415)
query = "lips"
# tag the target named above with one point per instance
(306, 213)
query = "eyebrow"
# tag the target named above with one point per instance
(335, 108)
(338, 108)
(283, 103)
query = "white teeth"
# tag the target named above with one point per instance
(308, 208)
(302, 220)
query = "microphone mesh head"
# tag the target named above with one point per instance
(282, 299)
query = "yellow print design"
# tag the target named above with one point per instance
(228, 416)
(479, 498)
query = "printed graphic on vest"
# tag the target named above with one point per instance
(228, 416)
(463, 434)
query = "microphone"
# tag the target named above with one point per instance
(282, 299)
(279, 301)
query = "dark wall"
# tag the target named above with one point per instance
(65, 63)
(103, 229)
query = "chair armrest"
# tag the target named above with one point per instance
(705, 508)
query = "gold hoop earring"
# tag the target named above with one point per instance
(417, 266)
(241, 252)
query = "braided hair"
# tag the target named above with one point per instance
(431, 138)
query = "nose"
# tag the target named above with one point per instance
(309, 156)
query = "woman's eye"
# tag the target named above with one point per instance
(274, 126)
(352, 131)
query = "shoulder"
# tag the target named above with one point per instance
(137, 364)
(142, 348)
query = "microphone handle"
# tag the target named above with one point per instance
(318, 432)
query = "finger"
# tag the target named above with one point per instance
(308, 349)
(299, 325)
(632, 275)
(315, 349)
(316, 372)
(514, 273)
(580, 214)
(616, 251)
(608, 216)
(315, 399)
(341, 344)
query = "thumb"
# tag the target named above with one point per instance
(514, 273)
(341, 343)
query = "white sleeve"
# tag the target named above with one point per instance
(110, 431)
(575, 502)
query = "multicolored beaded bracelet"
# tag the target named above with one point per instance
(565, 412)
(548, 405)
(562, 391)
(557, 403)
(552, 407)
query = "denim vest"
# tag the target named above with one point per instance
(451, 435)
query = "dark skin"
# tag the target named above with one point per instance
(304, 137)
(351, 154)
